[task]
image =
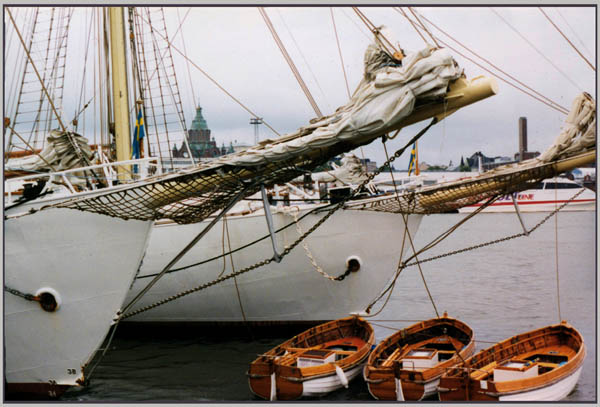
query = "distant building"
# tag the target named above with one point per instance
(487, 163)
(200, 142)
(371, 166)
(423, 166)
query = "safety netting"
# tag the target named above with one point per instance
(450, 196)
(427, 83)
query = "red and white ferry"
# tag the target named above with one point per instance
(546, 196)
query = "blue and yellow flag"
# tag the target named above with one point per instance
(412, 164)
(138, 136)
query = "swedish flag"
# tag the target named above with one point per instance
(138, 136)
(412, 164)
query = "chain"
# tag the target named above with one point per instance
(28, 297)
(405, 264)
(289, 248)
(504, 239)
(309, 254)
(305, 246)
(198, 288)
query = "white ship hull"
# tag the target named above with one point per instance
(289, 291)
(542, 200)
(87, 261)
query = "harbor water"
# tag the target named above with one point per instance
(499, 290)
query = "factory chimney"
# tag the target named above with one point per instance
(522, 137)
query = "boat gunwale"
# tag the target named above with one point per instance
(429, 374)
(546, 379)
(302, 374)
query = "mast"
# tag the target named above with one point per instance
(120, 95)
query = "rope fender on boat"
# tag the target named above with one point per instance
(399, 392)
(341, 375)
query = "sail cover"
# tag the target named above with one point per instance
(63, 151)
(427, 83)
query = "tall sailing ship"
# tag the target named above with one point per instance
(71, 275)
(62, 288)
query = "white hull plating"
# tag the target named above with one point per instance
(324, 385)
(541, 200)
(553, 392)
(89, 262)
(289, 291)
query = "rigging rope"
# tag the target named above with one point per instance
(490, 63)
(344, 71)
(323, 94)
(572, 31)
(337, 40)
(565, 37)
(400, 10)
(290, 62)
(237, 289)
(187, 63)
(424, 26)
(35, 69)
(537, 50)
(30, 147)
(216, 83)
(410, 240)
(375, 30)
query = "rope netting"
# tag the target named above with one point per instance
(450, 196)
(188, 197)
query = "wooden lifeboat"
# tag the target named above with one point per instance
(541, 365)
(314, 362)
(408, 364)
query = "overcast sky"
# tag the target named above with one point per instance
(235, 47)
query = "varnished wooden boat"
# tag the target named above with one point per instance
(408, 364)
(541, 365)
(314, 362)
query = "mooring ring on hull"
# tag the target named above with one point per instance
(353, 263)
(49, 299)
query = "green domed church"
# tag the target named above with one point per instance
(201, 144)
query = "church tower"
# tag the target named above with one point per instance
(201, 144)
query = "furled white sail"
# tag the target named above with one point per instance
(63, 151)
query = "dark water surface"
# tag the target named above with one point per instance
(499, 290)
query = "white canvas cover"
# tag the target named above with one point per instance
(383, 98)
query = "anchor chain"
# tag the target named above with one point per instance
(289, 248)
(404, 265)
(504, 239)
(28, 297)
(310, 255)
